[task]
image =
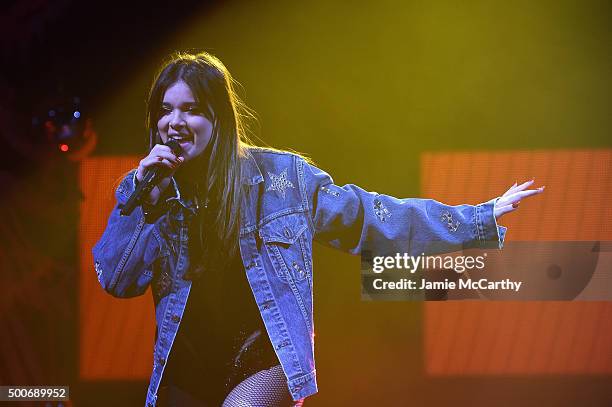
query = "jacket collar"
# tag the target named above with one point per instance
(251, 174)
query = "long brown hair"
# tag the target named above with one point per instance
(212, 86)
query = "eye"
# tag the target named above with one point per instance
(194, 110)
(164, 110)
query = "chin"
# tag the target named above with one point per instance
(187, 156)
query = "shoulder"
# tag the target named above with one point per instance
(274, 160)
(263, 154)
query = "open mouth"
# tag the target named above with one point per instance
(183, 139)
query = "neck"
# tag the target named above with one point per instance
(191, 173)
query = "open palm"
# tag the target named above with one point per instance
(511, 199)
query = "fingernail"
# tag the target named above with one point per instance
(181, 159)
(542, 187)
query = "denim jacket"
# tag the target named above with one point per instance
(287, 203)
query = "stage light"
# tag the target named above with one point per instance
(62, 124)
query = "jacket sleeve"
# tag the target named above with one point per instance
(352, 219)
(125, 254)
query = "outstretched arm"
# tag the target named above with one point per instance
(352, 219)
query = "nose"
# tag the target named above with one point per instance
(177, 121)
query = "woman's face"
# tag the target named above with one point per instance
(183, 119)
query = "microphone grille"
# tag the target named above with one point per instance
(174, 146)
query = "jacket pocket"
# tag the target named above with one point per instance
(285, 240)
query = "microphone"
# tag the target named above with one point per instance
(148, 182)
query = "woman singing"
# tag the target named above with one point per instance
(225, 241)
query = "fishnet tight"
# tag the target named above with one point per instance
(266, 388)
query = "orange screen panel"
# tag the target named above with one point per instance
(116, 335)
(476, 338)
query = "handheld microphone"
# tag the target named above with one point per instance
(150, 179)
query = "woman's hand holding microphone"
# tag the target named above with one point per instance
(160, 156)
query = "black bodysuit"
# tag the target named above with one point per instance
(221, 339)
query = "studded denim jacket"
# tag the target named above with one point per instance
(287, 203)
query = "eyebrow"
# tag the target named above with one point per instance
(194, 103)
